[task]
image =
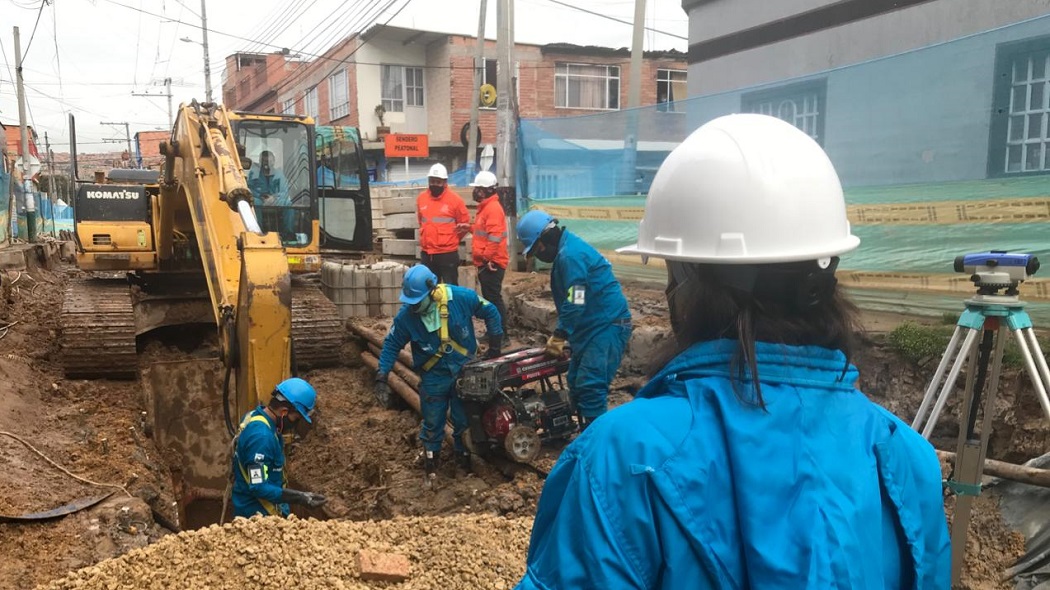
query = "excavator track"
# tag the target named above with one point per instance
(317, 330)
(98, 330)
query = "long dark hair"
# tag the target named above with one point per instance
(795, 304)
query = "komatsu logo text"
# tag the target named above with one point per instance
(112, 195)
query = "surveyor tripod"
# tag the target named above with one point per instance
(987, 316)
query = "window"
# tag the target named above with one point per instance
(670, 86)
(310, 102)
(800, 104)
(583, 86)
(401, 85)
(288, 108)
(338, 96)
(414, 87)
(1019, 141)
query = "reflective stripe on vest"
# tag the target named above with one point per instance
(490, 237)
(267, 505)
(447, 343)
(439, 220)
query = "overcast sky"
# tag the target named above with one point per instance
(88, 57)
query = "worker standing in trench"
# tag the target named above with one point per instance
(593, 318)
(258, 462)
(750, 460)
(438, 320)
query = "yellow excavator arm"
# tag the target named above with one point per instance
(246, 270)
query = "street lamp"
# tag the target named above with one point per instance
(207, 66)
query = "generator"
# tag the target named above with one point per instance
(516, 402)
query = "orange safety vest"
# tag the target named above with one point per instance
(437, 221)
(490, 234)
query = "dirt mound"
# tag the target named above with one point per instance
(467, 552)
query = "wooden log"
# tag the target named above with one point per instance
(1020, 473)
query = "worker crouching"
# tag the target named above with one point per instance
(438, 321)
(258, 462)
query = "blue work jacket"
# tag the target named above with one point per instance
(586, 293)
(688, 487)
(408, 327)
(258, 467)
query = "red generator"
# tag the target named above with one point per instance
(516, 402)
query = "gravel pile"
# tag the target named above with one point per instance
(460, 552)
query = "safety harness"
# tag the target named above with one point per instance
(268, 506)
(441, 295)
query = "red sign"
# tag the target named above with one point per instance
(404, 145)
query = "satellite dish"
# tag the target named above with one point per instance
(488, 95)
(487, 155)
(34, 166)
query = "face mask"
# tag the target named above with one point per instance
(479, 194)
(265, 168)
(436, 190)
(423, 306)
(546, 255)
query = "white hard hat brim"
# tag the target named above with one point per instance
(848, 244)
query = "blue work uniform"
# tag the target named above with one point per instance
(688, 487)
(593, 312)
(437, 382)
(258, 467)
(275, 184)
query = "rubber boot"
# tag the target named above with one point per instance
(463, 462)
(431, 460)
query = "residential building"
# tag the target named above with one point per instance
(897, 92)
(147, 148)
(424, 81)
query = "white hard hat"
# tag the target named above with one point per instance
(438, 171)
(485, 179)
(745, 189)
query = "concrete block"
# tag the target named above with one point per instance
(363, 290)
(394, 205)
(395, 247)
(468, 277)
(385, 567)
(397, 221)
(644, 343)
(539, 315)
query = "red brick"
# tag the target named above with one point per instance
(385, 567)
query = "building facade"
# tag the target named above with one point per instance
(908, 91)
(423, 81)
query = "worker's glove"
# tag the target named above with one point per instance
(308, 499)
(381, 389)
(495, 346)
(556, 344)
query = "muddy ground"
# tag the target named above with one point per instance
(362, 457)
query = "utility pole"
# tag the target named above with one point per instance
(127, 137)
(50, 170)
(207, 64)
(506, 122)
(628, 170)
(27, 183)
(475, 95)
(167, 93)
(51, 196)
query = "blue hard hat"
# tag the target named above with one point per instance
(300, 394)
(419, 280)
(531, 226)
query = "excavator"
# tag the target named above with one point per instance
(226, 236)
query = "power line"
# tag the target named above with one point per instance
(613, 18)
(25, 53)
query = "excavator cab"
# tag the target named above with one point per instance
(308, 184)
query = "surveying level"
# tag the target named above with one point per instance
(995, 308)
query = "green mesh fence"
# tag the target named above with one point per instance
(942, 151)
